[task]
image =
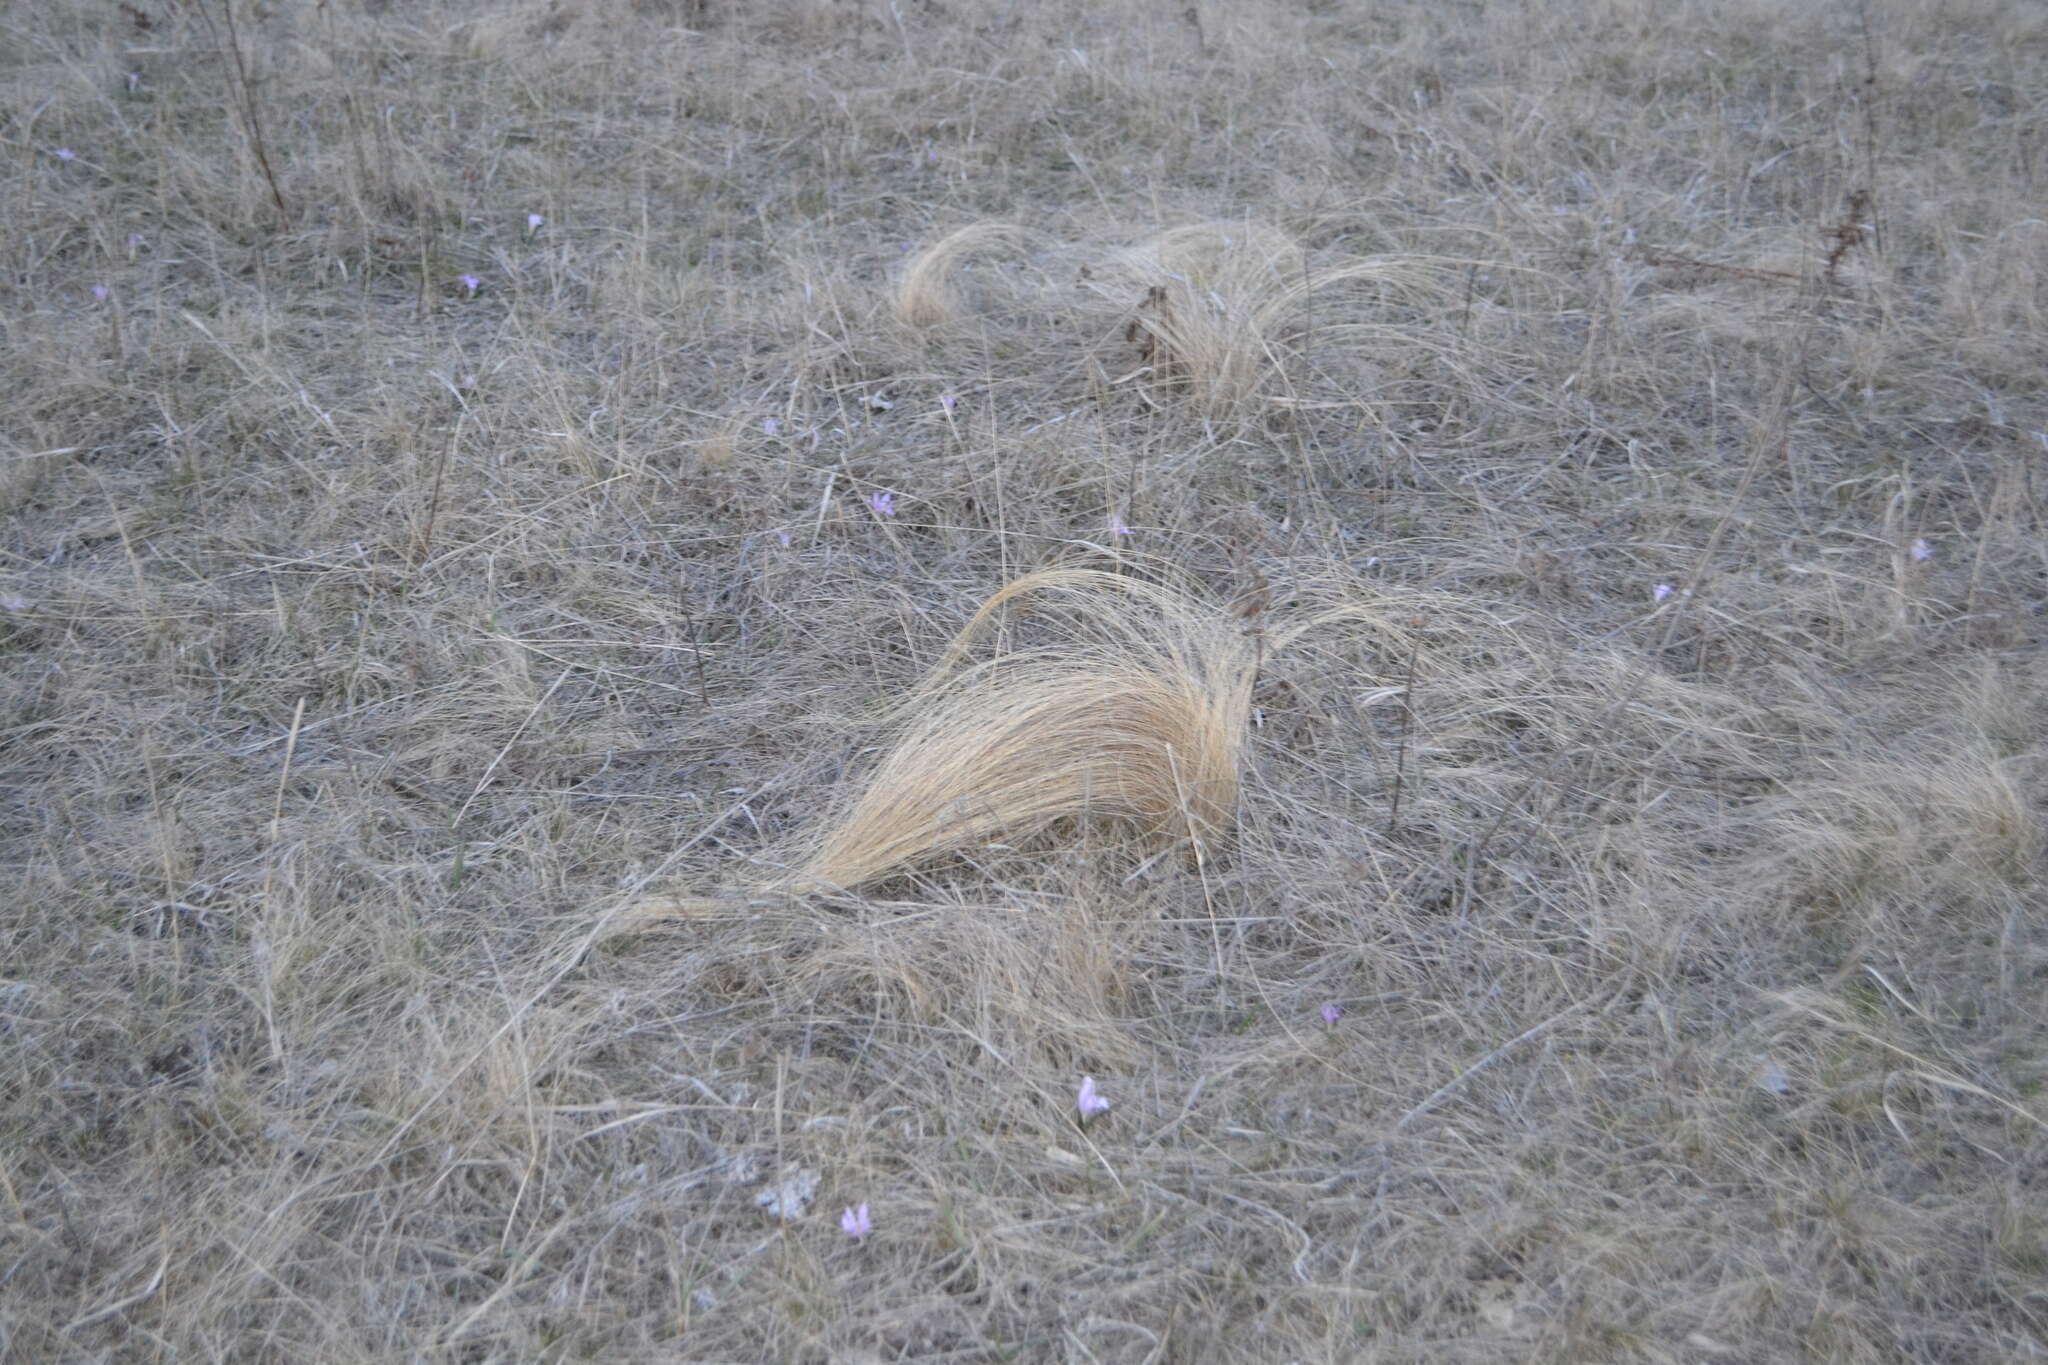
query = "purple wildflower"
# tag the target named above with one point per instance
(855, 1223)
(1661, 591)
(1921, 551)
(1332, 1012)
(881, 504)
(1087, 1101)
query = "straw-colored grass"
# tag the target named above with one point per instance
(1219, 320)
(1219, 312)
(1131, 706)
(1496, 569)
(929, 295)
(1134, 711)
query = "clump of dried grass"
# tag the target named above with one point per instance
(927, 295)
(1217, 310)
(1133, 710)
(1213, 317)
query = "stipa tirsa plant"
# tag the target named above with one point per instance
(1133, 709)
(1213, 316)
(927, 295)
(1218, 311)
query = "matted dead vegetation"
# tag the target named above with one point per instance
(1446, 602)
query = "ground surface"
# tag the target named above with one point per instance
(441, 495)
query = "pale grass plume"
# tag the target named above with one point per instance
(928, 295)
(1217, 318)
(1218, 312)
(1135, 711)
(1132, 707)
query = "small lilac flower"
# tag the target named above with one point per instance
(783, 536)
(14, 601)
(134, 79)
(881, 504)
(1921, 550)
(1116, 525)
(947, 400)
(99, 291)
(1332, 1012)
(769, 426)
(134, 241)
(1087, 1101)
(855, 1223)
(1661, 591)
(533, 222)
(65, 154)
(469, 282)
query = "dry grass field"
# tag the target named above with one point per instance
(1521, 780)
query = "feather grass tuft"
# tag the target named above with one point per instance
(1133, 709)
(928, 294)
